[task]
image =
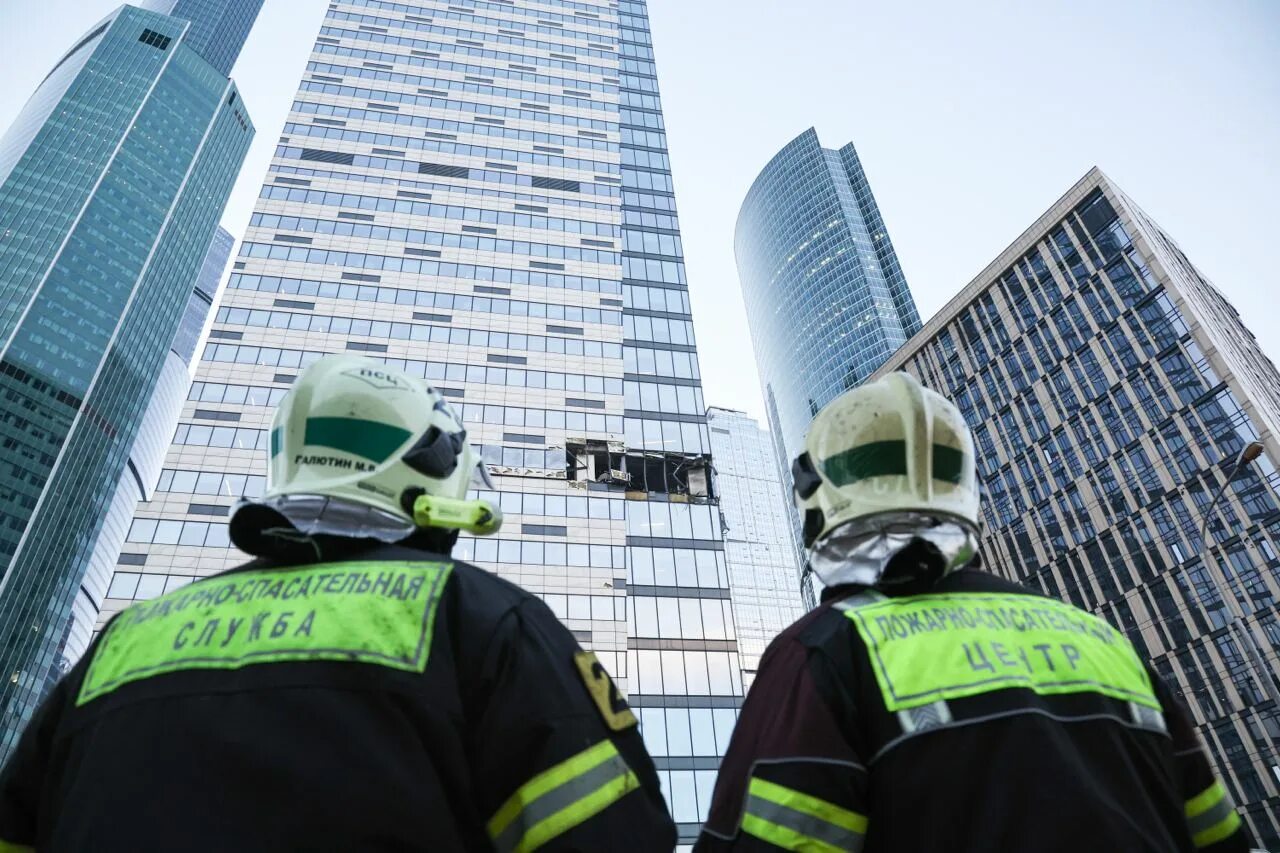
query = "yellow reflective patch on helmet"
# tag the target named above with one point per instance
(379, 613)
(929, 647)
(609, 700)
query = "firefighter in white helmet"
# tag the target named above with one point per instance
(928, 705)
(353, 688)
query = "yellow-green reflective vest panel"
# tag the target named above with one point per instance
(929, 647)
(377, 613)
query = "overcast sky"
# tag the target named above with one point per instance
(970, 119)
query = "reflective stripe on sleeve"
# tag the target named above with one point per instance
(1211, 816)
(560, 798)
(795, 821)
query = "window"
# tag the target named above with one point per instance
(207, 509)
(149, 586)
(155, 39)
(549, 183)
(443, 170)
(1183, 377)
(321, 156)
(123, 585)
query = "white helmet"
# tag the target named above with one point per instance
(362, 450)
(886, 463)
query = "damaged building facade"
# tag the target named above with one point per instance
(479, 193)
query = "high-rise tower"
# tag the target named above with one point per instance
(479, 193)
(218, 27)
(825, 296)
(1111, 389)
(112, 180)
(146, 457)
(758, 545)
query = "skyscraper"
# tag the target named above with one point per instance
(218, 30)
(1111, 388)
(146, 458)
(112, 180)
(479, 193)
(206, 292)
(825, 296)
(763, 574)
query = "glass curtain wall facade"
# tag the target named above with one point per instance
(112, 180)
(147, 456)
(219, 28)
(757, 534)
(1111, 387)
(479, 193)
(826, 298)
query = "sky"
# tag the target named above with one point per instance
(971, 119)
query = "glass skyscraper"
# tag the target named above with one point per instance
(146, 458)
(763, 574)
(825, 296)
(479, 193)
(218, 30)
(1111, 387)
(112, 180)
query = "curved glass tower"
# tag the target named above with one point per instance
(112, 180)
(825, 296)
(138, 480)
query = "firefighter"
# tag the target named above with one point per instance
(926, 705)
(352, 688)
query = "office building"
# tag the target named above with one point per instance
(112, 180)
(825, 296)
(1111, 388)
(763, 575)
(480, 194)
(218, 29)
(142, 470)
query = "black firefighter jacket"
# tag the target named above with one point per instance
(974, 718)
(395, 700)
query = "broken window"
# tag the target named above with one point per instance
(610, 462)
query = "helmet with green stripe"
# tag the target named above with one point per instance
(362, 450)
(887, 448)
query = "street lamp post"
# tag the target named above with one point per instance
(1234, 617)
